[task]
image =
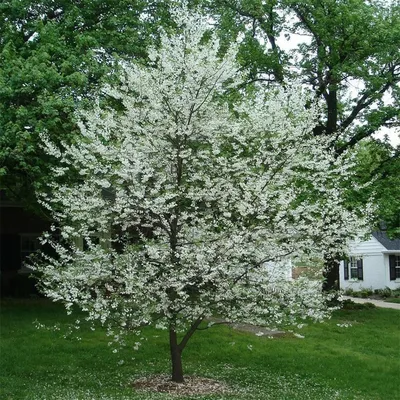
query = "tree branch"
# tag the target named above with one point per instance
(190, 332)
(367, 99)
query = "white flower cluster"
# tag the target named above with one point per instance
(181, 198)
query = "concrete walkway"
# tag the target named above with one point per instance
(378, 303)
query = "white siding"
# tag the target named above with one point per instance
(373, 274)
(371, 246)
(375, 267)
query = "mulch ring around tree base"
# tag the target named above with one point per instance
(192, 385)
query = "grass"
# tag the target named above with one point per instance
(393, 300)
(360, 361)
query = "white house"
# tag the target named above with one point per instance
(374, 263)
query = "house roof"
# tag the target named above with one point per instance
(383, 239)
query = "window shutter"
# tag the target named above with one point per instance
(360, 269)
(392, 267)
(346, 270)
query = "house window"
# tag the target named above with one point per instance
(394, 267)
(353, 269)
(397, 266)
(29, 244)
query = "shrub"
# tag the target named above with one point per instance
(395, 293)
(385, 293)
(364, 293)
(350, 305)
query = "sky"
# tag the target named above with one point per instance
(393, 134)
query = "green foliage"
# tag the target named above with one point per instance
(378, 161)
(350, 305)
(387, 293)
(379, 294)
(52, 55)
(365, 293)
(384, 293)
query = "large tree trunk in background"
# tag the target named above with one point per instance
(176, 357)
(331, 272)
(331, 275)
(332, 103)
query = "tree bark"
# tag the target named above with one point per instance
(332, 104)
(176, 357)
(176, 349)
(331, 275)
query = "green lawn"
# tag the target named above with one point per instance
(331, 362)
(393, 300)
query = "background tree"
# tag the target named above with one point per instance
(200, 195)
(381, 161)
(53, 54)
(348, 45)
(349, 58)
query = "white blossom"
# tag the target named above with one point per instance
(189, 196)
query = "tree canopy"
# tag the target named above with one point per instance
(191, 196)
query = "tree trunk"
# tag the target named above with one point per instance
(332, 103)
(176, 357)
(331, 275)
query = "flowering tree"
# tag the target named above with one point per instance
(190, 197)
